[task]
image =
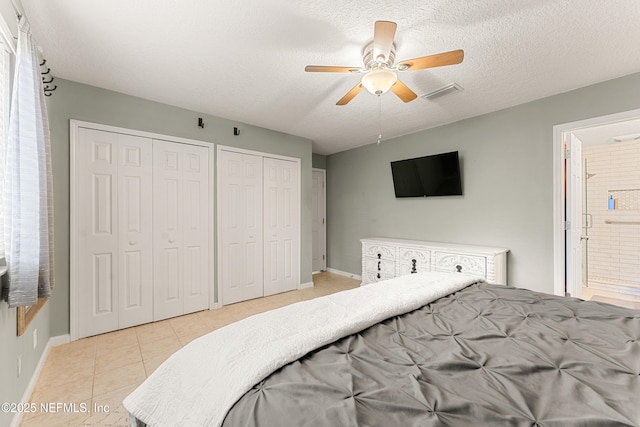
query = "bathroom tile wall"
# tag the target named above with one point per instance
(614, 235)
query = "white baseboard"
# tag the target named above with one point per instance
(344, 273)
(305, 285)
(59, 340)
(26, 396)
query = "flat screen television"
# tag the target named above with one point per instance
(436, 175)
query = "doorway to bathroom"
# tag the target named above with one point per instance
(598, 200)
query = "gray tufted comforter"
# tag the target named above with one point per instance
(485, 355)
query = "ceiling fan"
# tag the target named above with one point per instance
(380, 71)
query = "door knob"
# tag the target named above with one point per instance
(172, 240)
(132, 242)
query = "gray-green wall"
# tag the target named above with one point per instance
(507, 173)
(12, 387)
(319, 161)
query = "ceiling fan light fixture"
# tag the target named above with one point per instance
(379, 81)
(379, 70)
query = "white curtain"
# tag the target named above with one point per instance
(28, 195)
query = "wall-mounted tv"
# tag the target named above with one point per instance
(436, 175)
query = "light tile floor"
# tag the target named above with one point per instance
(97, 373)
(622, 300)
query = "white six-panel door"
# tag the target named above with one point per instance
(258, 224)
(180, 238)
(281, 222)
(114, 248)
(196, 228)
(140, 231)
(135, 269)
(240, 208)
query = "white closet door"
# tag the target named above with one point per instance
(114, 248)
(196, 228)
(181, 233)
(97, 171)
(135, 254)
(240, 201)
(281, 219)
(167, 236)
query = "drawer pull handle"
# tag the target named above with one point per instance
(379, 268)
(413, 266)
(378, 275)
(458, 268)
(379, 255)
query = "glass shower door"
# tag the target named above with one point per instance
(587, 220)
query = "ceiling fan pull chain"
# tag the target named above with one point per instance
(379, 118)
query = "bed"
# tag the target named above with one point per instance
(425, 349)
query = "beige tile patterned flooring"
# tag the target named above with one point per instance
(93, 375)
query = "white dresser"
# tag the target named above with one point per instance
(384, 258)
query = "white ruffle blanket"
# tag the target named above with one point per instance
(198, 384)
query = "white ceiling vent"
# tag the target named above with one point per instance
(445, 90)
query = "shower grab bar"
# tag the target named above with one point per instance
(608, 221)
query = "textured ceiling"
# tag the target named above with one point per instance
(245, 60)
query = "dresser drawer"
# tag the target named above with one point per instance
(371, 277)
(415, 256)
(470, 264)
(379, 251)
(405, 268)
(383, 266)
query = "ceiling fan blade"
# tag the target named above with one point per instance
(431, 61)
(350, 95)
(403, 92)
(331, 69)
(383, 34)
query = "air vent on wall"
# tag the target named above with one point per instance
(450, 88)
